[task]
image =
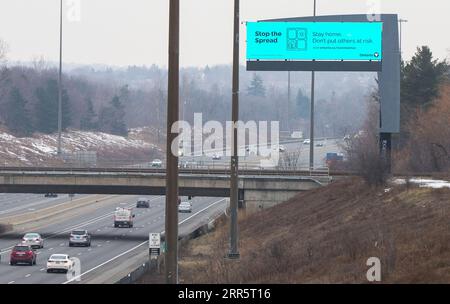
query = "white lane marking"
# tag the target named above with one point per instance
(12, 282)
(42, 269)
(140, 245)
(89, 222)
(28, 275)
(50, 249)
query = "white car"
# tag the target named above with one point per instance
(185, 207)
(282, 148)
(60, 263)
(34, 240)
(307, 142)
(216, 157)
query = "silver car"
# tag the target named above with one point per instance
(80, 238)
(185, 207)
(33, 239)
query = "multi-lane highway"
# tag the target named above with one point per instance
(248, 159)
(108, 243)
(15, 204)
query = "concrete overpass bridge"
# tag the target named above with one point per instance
(257, 188)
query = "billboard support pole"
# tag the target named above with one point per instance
(386, 150)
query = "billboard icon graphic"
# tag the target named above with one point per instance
(297, 38)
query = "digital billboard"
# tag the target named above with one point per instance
(353, 41)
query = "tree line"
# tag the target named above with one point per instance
(29, 103)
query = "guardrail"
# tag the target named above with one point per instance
(316, 172)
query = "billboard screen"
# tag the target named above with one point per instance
(314, 41)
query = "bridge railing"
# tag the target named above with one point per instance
(198, 169)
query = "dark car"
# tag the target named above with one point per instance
(51, 195)
(143, 203)
(23, 254)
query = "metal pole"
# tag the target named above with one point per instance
(171, 254)
(60, 78)
(234, 251)
(401, 21)
(289, 101)
(311, 129)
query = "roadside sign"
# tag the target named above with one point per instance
(154, 244)
(357, 41)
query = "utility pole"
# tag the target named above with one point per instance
(311, 129)
(234, 187)
(60, 78)
(171, 237)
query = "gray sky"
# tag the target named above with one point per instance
(126, 32)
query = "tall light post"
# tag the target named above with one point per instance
(234, 192)
(60, 77)
(401, 21)
(171, 233)
(311, 129)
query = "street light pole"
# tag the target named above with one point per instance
(401, 21)
(60, 78)
(234, 186)
(171, 233)
(311, 129)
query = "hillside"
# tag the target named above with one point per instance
(327, 235)
(40, 149)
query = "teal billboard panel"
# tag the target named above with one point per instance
(314, 41)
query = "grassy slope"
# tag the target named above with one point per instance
(327, 235)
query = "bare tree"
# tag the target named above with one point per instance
(363, 151)
(3, 50)
(3, 70)
(290, 160)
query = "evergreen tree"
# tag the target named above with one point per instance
(256, 87)
(119, 127)
(303, 105)
(88, 121)
(112, 118)
(421, 78)
(47, 108)
(17, 116)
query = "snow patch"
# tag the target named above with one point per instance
(425, 183)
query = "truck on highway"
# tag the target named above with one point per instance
(123, 217)
(333, 159)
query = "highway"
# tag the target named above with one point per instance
(108, 243)
(14, 204)
(251, 161)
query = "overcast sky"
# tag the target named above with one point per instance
(134, 32)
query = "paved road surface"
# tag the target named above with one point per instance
(107, 242)
(14, 204)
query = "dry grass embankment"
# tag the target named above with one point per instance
(327, 235)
